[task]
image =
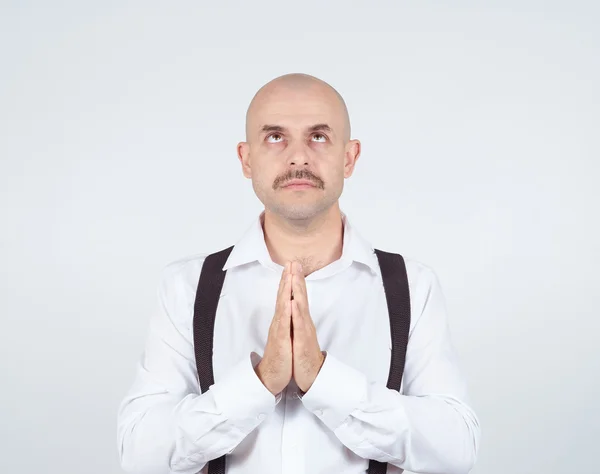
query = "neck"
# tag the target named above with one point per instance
(314, 242)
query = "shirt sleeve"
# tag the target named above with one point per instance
(165, 425)
(428, 427)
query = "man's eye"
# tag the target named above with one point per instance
(274, 135)
(323, 137)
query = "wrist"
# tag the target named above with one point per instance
(320, 364)
(262, 379)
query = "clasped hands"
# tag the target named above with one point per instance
(292, 349)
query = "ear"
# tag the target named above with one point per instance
(243, 153)
(351, 155)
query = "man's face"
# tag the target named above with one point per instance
(297, 133)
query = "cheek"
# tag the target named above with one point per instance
(335, 165)
(266, 158)
(264, 175)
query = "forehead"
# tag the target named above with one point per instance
(297, 109)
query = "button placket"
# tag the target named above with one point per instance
(291, 445)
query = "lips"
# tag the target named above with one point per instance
(299, 183)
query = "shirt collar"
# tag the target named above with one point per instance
(251, 246)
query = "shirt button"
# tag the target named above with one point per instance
(319, 413)
(261, 417)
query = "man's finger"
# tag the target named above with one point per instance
(299, 295)
(281, 290)
(282, 280)
(300, 286)
(286, 309)
(297, 319)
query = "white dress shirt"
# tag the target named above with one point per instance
(348, 416)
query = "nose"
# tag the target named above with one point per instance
(298, 154)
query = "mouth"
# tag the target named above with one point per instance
(299, 184)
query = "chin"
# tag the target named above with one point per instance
(299, 211)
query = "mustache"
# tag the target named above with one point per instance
(301, 174)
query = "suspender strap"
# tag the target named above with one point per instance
(397, 294)
(395, 284)
(205, 308)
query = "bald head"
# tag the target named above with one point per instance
(297, 127)
(289, 94)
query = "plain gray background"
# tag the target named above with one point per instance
(480, 130)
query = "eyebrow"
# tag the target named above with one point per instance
(278, 128)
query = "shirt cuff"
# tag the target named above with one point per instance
(241, 395)
(336, 392)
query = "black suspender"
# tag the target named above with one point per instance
(205, 308)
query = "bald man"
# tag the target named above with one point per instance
(301, 344)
